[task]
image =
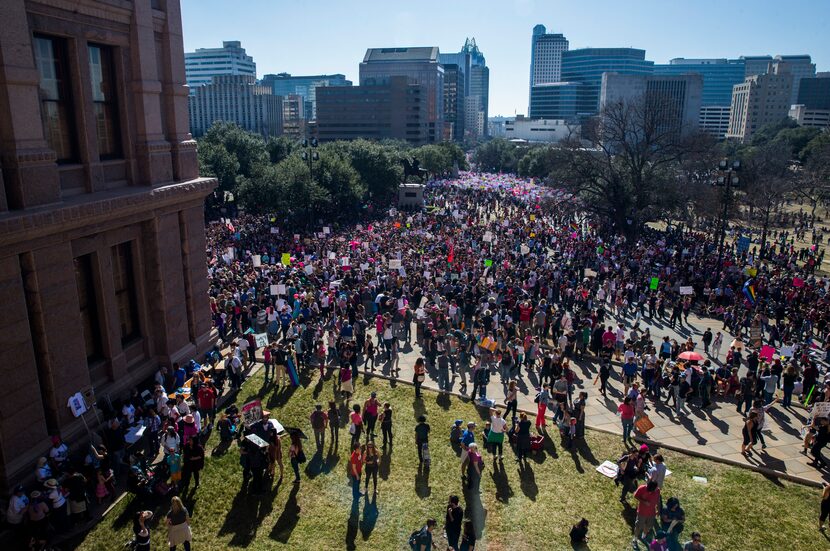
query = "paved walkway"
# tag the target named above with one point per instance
(714, 433)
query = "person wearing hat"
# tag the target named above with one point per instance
(59, 454)
(189, 430)
(60, 512)
(467, 438)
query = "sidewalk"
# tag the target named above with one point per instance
(714, 433)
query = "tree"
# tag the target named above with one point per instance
(498, 155)
(769, 132)
(797, 138)
(335, 175)
(815, 178)
(377, 164)
(538, 162)
(434, 159)
(767, 179)
(633, 156)
(279, 148)
(817, 144)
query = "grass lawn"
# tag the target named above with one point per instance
(736, 510)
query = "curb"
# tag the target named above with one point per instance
(694, 453)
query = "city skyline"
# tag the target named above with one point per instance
(277, 35)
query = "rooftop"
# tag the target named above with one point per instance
(420, 53)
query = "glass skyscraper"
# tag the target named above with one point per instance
(557, 100)
(719, 76)
(285, 84)
(586, 66)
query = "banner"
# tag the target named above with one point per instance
(687, 291)
(655, 282)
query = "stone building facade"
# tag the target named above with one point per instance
(102, 242)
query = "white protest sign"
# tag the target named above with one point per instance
(364, 266)
(394, 264)
(273, 290)
(275, 230)
(257, 259)
(427, 274)
(309, 269)
(344, 261)
(332, 255)
(326, 230)
(488, 237)
(280, 289)
(685, 290)
(525, 249)
(261, 340)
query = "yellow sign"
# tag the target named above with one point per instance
(286, 259)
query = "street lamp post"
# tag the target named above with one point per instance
(727, 177)
(311, 156)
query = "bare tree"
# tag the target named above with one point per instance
(814, 180)
(624, 165)
(767, 179)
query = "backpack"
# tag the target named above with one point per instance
(415, 539)
(455, 434)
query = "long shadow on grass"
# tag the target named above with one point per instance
(289, 518)
(370, 517)
(528, 481)
(352, 525)
(475, 510)
(422, 487)
(503, 490)
(245, 515)
(585, 451)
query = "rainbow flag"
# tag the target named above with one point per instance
(574, 226)
(292, 373)
(749, 291)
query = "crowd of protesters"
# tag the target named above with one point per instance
(495, 278)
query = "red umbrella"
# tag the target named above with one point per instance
(691, 356)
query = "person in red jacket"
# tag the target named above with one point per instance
(206, 398)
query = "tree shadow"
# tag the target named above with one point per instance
(370, 517)
(422, 487)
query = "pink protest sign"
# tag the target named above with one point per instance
(798, 282)
(766, 352)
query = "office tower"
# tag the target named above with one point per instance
(761, 99)
(205, 63)
(293, 117)
(555, 100)
(473, 109)
(454, 92)
(812, 106)
(755, 64)
(676, 98)
(238, 99)
(799, 66)
(546, 56)
(285, 84)
(421, 66)
(102, 236)
(381, 107)
(587, 65)
(719, 76)
(545, 59)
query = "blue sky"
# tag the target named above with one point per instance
(331, 36)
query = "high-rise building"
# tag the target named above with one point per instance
(102, 235)
(421, 66)
(546, 56)
(285, 84)
(814, 93)
(799, 66)
(293, 119)
(238, 99)
(205, 63)
(472, 68)
(587, 65)
(380, 108)
(676, 98)
(454, 92)
(719, 76)
(813, 102)
(538, 130)
(761, 99)
(555, 100)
